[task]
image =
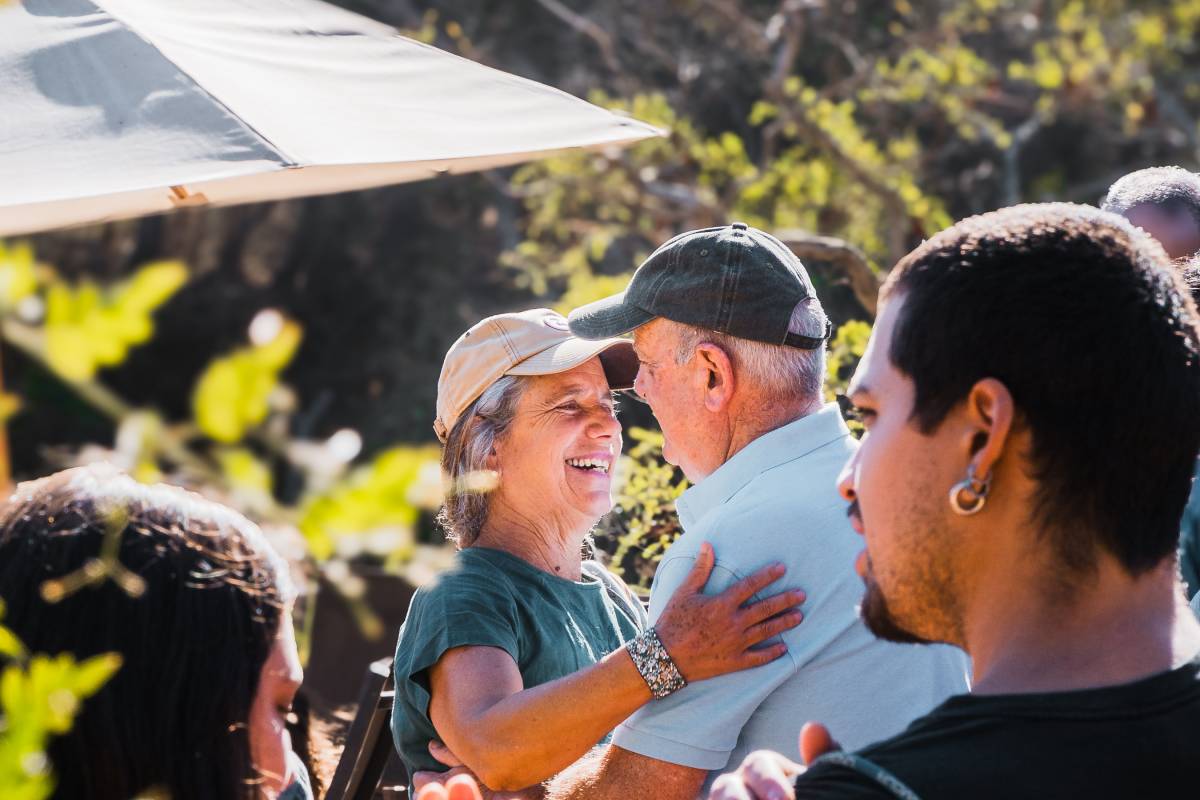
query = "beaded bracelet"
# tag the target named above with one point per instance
(654, 664)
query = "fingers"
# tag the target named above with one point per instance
(434, 791)
(746, 588)
(815, 741)
(444, 754)
(758, 656)
(421, 778)
(695, 580)
(728, 787)
(770, 776)
(463, 787)
(757, 612)
(773, 627)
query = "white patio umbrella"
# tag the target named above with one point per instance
(120, 108)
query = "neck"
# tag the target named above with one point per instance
(1111, 629)
(758, 419)
(552, 545)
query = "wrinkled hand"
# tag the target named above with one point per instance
(765, 775)
(458, 782)
(709, 635)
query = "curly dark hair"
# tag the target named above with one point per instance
(1169, 188)
(193, 623)
(1084, 319)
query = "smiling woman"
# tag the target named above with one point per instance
(523, 628)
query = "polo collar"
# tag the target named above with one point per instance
(787, 443)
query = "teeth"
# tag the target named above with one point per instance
(589, 463)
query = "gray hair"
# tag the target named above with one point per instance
(465, 454)
(782, 371)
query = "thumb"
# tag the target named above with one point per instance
(463, 787)
(815, 741)
(444, 754)
(695, 580)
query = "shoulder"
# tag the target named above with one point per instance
(616, 588)
(472, 578)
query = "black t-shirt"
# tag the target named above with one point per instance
(1136, 740)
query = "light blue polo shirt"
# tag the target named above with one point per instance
(777, 500)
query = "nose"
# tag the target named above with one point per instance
(845, 481)
(639, 385)
(603, 425)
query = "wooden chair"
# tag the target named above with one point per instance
(369, 741)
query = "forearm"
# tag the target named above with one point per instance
(614, 773)
(531, 735)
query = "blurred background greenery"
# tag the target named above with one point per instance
(283, 357)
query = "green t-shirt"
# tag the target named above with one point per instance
(550, 626)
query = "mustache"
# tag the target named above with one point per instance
(854, 511)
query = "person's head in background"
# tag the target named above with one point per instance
(1164, 202)
(209, 662)
(1009, 366)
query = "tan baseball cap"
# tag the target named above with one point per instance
(535, 342)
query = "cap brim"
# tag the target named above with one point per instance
(616, 355)
(612, 316)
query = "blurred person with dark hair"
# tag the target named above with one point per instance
(524, 654)
(1164, 202)
(1189, 527)
(1019, 491)
(196, 604)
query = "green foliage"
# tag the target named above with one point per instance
(233, 393)
(18, 274)
(89, 327)
(643, 524)
(375, 507)
(40, 696)
(845, 351)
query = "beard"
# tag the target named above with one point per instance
(878, 617)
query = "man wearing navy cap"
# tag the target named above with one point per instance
(731, 337)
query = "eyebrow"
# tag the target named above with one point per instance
(573, 390)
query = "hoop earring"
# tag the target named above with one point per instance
(971, 489)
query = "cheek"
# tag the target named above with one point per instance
(269, 743)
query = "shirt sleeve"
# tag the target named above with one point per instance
(457, 611)
(698, 726)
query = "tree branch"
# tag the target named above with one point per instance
(851, 261)
(581, 24)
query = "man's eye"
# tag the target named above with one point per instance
(570, 408)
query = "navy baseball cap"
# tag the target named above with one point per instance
(733, 279)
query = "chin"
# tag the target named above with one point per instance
(879, 619)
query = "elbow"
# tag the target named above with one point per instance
(502, 774)
(504, 780)
(498, 770)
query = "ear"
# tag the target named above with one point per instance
(990, 412)
(715, 374)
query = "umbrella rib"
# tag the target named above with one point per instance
(285, 160)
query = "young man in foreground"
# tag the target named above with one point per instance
(1019, 491)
